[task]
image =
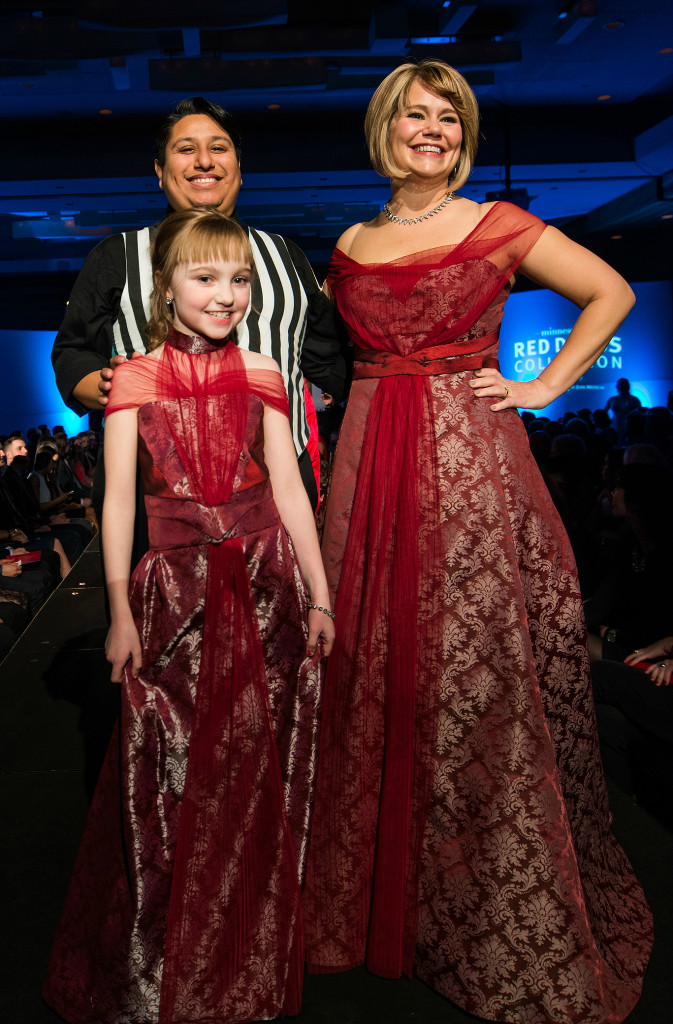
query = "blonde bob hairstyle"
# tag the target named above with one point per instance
(390, 99)
(190, 236)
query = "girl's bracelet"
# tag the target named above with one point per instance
(326, 611)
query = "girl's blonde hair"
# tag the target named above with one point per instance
(190, 236)
(391, 97)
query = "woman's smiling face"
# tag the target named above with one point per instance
(426, 135)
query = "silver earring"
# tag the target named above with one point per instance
(169, 302)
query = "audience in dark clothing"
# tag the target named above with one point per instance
(635, 724)
(43, 527)
(617, 505)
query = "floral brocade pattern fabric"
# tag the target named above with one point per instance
(185, 902)
(509, 894)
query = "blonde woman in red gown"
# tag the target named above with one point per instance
(461, 829)
(185, 902)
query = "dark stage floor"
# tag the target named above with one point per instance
(58, 707)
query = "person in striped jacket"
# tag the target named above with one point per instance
(198, 164)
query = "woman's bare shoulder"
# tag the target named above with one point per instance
(345, 243)
(468, 213)
(484, 208)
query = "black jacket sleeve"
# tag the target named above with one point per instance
(324, 356)
(84, 342)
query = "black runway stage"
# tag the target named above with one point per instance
(58, 708)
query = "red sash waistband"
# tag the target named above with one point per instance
(425, 362)
(176, 524)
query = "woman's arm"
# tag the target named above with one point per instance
(296, 515)
(119, 509)
(605, 299)
(53, 503)
(46, 506)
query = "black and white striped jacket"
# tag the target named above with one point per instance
(290, 319)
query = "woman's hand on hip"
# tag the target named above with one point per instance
(488, 383)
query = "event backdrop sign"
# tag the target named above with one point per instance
(537, 323)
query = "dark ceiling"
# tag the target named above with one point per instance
(575, 98)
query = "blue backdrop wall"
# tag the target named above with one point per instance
(29, 392)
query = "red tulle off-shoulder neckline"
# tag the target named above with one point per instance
(421, 252)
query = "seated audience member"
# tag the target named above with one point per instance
(66, 478)
(634, 708)
(568, 446)
(26, 510)
(49, 498)
(49, 458)
(82, 463)
(644, 454)
(602, 425)
(658, 428)
(634, 432)
(578, 426)
(35, 583)
(610, 471)
(553, 428)
(540, 446)
(11, 536)
(598, 445)
(568, 465)
(12, 533)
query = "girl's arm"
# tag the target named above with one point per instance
(297, 517)
(119, 509)
(605, 299)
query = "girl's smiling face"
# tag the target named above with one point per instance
(209, 298)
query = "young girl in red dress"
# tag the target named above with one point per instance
(185, 900)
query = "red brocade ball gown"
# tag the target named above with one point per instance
(461, 828)
(185, 905)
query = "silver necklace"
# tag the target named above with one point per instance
(416, 220)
